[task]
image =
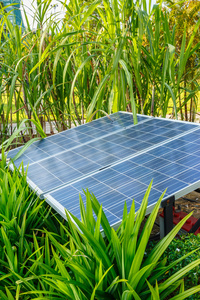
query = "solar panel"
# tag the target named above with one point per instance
(72, 139)
(115, 160)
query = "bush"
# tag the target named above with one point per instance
(111, 265)
(42, 257)
(176, 250)
(22, 218)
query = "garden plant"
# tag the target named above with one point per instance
(102, 55)
(177, 248)
(45, 257)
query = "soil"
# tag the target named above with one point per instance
(189, 202)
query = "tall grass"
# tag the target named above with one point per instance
(103, 55)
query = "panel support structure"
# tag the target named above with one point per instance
(195, 227)
(166, 223)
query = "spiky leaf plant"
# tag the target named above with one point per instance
(101, 263)
(22, 216)
(43, 258)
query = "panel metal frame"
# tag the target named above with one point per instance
(123, 160)
(62, 210)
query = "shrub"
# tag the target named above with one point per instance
(22, 217)
(176, 250)
(44, 258)
(111, 265)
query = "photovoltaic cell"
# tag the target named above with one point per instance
(75, 137)
(116, 161)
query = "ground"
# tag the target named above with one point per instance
(187, 203)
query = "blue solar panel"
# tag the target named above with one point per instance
(153, 197)
(190, 148)
(190, 176)
(172, 169)
(75, 137)
(116, 161)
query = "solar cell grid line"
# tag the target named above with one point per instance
(140, 161)
(125, 192)
(30, 155)
(74, 138)
(58, 175)
(158, 187)
(78, 168)
(185, 174)
(149, 148)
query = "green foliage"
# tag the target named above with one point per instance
(189, 72)
(102, 56)
(109, 264)
(44, 257)
(22, 216)
(176, 250)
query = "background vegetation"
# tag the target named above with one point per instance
(176, 250)
(103, 55)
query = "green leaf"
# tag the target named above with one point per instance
(96, 97)
(175, 277)
(116, 246)
(89, 11)
(9, 250)
(187, 293)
